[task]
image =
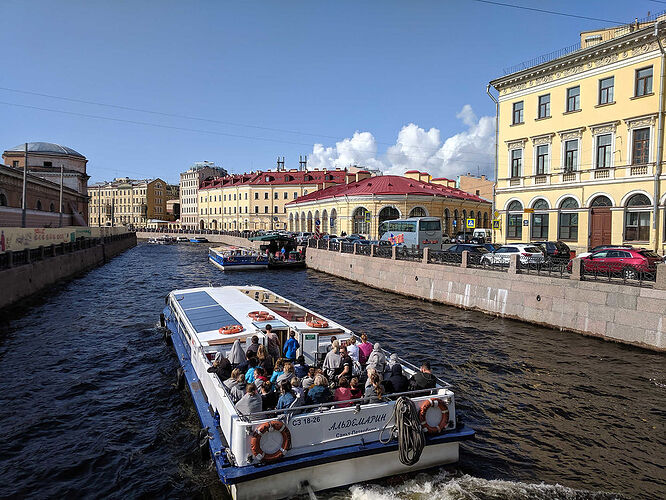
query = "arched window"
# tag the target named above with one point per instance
(637, 218)
(456, 220)
(447, 221)
(297, 225)
(418, 212)
(464, 216)
(333, 220)
(291, 222)
(3, 200)
(485, 220)
(388, 213)
(514, 222)
(310, 228)
(39, 204)
(361, 221)
(540, 220)
(568, 221)
(324, 221)
(601, 201)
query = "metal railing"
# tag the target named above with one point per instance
(347, 247)
(406, 253)
(554, 268)
(626, 276)
(442, 257)
(334, 246)
(384, 252)
(363, 249)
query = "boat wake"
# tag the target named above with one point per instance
(446, 486)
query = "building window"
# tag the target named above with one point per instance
(604, 151)
(640, 146)
(643, 81)
(295, 195)
(568, 221)
(48, 164)
(3, 200)
(517, 112)
(573, 99)
(606, 90)
(540, 221)
(417, 212)
(275, 196)
(637, 222)
(256, 196)
(516, 162)
(544, 106)
(285, 195)
(276, 209)
(514, 223)
(570, 155)
(361, 221)
(246, 196)
(541, 159)
(15, 164)
(256, 210)
(265, 196)
(265, 209)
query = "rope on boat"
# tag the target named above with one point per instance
(411, 439)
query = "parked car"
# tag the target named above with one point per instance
(446, 238)
(601, 247)
(554, 250)
(527, 253)
(329, 237)
(461, 247)
(630, 263)
(491, 247)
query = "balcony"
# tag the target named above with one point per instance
(570, 176)
(604, 173)
(541, 179)
(639, 170)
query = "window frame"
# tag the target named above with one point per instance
(541, 161)
(610, 148)
(520, 113)
(543, 108)
(576, 99)
(643, 82)
(512, 162)
(607, 92)
(646, 153)
(565, 156)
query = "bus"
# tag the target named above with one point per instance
(415, 232)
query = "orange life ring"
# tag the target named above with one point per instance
(317, 323)
(255, 441)
(230, 329)
(443, 422)
(260, 316)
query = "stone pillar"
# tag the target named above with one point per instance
(426, 252)
(10, 258)
(53, 250)
(394, 252)
(27, 255)
(577, 269)
(373, 250)
(328, 244)
(513, 263)
(465, 259)
(355, 248)
(340, 247)
(41, 252)
(661, 277)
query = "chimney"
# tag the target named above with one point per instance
(350, 177)
(413, 174)
(424, 177)
(362, 175)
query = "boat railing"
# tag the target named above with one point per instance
(347, 403)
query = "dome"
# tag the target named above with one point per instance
(47, 148)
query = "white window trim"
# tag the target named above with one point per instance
(563, 154)
(534, 159)
(594, 150)
(630, 144)
(522, 162)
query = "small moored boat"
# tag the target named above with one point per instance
(293, 261)
(305, 447)
(199, 239)
(233, 258)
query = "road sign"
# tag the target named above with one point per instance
(528, 211)
(471, 223)
(526, 222)
(317, 222)
(368, 217)
(496, 214)
(455, 223)
(497, 223)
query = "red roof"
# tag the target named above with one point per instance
(277, 178)
(388, 185)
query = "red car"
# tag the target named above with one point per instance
(631, 263)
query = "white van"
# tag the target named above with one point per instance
(486, 234)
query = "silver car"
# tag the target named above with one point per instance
(527, 253)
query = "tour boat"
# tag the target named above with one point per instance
(162, 240)
(303, 448)
(293, 260)
(233, 258)
(199, 239)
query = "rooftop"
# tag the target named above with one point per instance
(46, 148)
(281, 177)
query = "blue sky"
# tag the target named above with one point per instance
(255, 70)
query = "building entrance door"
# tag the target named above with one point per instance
(600, 227)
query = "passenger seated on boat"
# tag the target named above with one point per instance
(330, 346)
(332, 360)
(273, 343)
(377, 360)
(288, 373)
(296, 386)
(237, 354)
(221, 367)
(423, 379)
(238, 389)
(343, 392)
(249, 374)
(269, 398)
(287, 396)
(278, 370)
(368, 375)
(301, 369)
(392, 361)
(352, 348)
(364, 350)
(291, 346)
(374, 391)
(355, 388)
(266, 361)
(250, 402)
(253, 347)
(308, 380)
(259, 376)
(320, 393)
(346, 364)
(396, 381)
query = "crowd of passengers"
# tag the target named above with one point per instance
(262, 378)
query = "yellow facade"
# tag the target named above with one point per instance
(578, 155)
(127, 202)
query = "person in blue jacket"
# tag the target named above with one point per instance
(290, 347)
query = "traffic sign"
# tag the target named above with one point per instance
(526, 222)
(317, 222)
(528, 210)
(455, 223)
(471, 223)
(497, 223)
(368, 217)
(496, 214)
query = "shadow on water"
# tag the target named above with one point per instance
(89, 408)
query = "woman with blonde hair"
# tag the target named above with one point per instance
(266, 361)
(320, 393)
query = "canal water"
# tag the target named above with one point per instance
(88, 406)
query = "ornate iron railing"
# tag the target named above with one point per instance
(441, 257)
(405, 253)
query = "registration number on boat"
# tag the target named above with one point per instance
(306, 420)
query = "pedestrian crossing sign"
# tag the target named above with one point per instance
(471, 223)
(497, 224)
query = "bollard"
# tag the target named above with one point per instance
(465, 259)
(513, 263)
(660, 283)
(426, 253)
(373, 250)
(577, 269)
(394, 252)
(355, 249)
(328, 245)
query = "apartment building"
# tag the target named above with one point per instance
(190, 182)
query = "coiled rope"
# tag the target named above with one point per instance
(408, 430)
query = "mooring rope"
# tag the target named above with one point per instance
(411, 439)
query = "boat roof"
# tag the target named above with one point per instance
(209, 308)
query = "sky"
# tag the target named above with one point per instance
(390, 85)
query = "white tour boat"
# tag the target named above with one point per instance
(235, 258)
(303, 448)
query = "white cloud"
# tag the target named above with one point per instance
(471, 150)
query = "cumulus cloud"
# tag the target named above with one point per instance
(471, 150)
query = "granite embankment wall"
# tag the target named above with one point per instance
(236, 241)
(618, 312)
(29, 272)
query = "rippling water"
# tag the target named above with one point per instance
(88, 407)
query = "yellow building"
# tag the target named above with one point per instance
(257, 200)
(360, 205)
(124, 202)
(580, 144)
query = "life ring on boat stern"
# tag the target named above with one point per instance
(230, 329)
(443, 421)
(261, 316)
(276, 438)
(317, 323)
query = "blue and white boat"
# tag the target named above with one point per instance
(303, 448)
(233, 258)
(198, 239)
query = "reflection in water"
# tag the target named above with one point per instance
(89, 409)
